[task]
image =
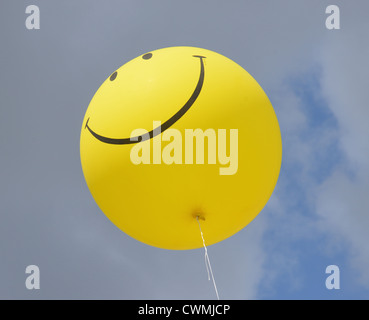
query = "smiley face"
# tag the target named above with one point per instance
(168, 123)
(183, 88)
(158, 86)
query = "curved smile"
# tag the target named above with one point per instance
(167, 124)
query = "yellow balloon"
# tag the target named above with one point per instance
(176, 135)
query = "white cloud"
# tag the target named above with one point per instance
(343, 201)
(333, 200)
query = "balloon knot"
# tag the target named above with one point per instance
(198, 216)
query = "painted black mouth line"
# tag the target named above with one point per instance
(167, 124)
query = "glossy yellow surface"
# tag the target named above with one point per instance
(158, 203)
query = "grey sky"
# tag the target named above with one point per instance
(47, 79)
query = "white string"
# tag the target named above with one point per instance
(207, 260)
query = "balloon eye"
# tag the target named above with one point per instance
(147, 56)
(113, 76)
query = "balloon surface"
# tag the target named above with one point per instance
(179, 133)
